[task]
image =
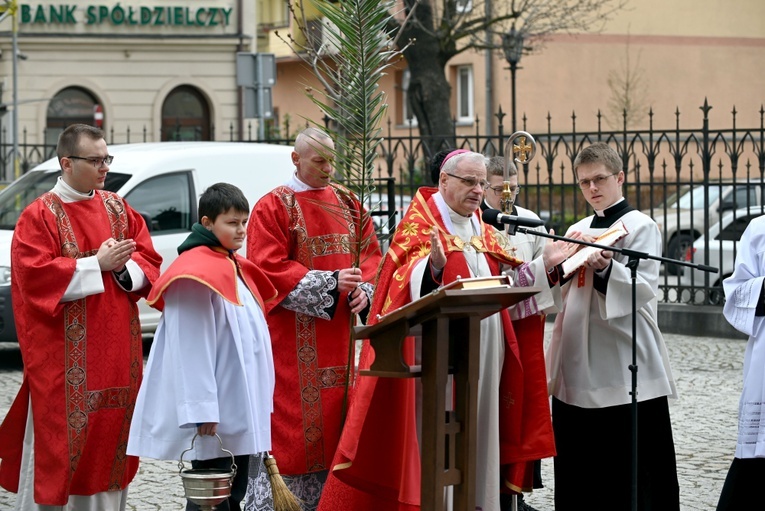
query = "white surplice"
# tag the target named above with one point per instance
(742, 295)
(590, 352)
(210, 361)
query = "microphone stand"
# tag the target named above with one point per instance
(634, 259)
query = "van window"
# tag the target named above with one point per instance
(743, 197)
(166, 200)
(734, 230)
(31, 185)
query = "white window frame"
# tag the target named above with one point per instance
(465, 98)
(406, 75)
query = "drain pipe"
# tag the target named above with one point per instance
(489, 122)
(239, 92)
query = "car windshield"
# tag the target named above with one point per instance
(19, 194)
(694, 198)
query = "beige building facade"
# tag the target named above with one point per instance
(143, 70)
(166, 69)
(678, 53)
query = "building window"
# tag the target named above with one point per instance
(464, 6)
(465, 94)
(407, 116)
(185, 115)
(73, 105)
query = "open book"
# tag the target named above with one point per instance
(478, 282)
(608, 238)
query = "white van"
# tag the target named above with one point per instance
(163, 181)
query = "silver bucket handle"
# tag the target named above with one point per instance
(182, 467)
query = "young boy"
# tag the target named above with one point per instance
(210, 369)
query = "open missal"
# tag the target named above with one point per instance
(608, 238)
(477, 282)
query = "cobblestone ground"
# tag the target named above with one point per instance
(708, 374)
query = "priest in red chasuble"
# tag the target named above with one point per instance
(303, 236)
(81, 258)
(442, 236)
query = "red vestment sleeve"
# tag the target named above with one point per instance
(45, 274)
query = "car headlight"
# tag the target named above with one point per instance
(5, 275)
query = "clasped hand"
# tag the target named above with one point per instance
(113, 254)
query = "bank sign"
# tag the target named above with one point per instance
(118, 14)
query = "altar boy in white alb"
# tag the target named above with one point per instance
(591, 350)
(745, 311)
(211, 369)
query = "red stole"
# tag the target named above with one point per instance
(214, 268)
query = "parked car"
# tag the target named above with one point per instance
(681, 217)
(723, 238)
(163, 182)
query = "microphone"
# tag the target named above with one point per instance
(491, 216)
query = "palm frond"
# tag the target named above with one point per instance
(355, 52)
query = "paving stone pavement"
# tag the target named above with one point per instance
(708, 372)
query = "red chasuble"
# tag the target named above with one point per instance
(218, 270)
(377, 465)
(289, 234)
(82, 359)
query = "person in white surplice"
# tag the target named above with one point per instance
(529, 316)
(745, 310)
(211, 368)
(591, 350)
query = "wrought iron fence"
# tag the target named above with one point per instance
(702, 185)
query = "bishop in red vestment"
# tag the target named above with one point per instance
(377, 465)
(81, 259)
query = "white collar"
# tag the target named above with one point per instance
(297, 185)
(69, 194)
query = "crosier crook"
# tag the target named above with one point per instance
(521, 153)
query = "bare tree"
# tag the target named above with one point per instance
(629, 93)
(430, 32)
(441, 29)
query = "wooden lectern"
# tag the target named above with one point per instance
(450, 321)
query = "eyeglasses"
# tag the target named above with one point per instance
(97, 162)
(599, 181)
(498, 190)
(471, 181)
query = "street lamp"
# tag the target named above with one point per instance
(512, 46)
(10, 8)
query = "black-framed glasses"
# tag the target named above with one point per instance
(598, 180)
(514, 190)
(470, 181)
(96, 162)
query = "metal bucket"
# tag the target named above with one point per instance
(207, 487)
